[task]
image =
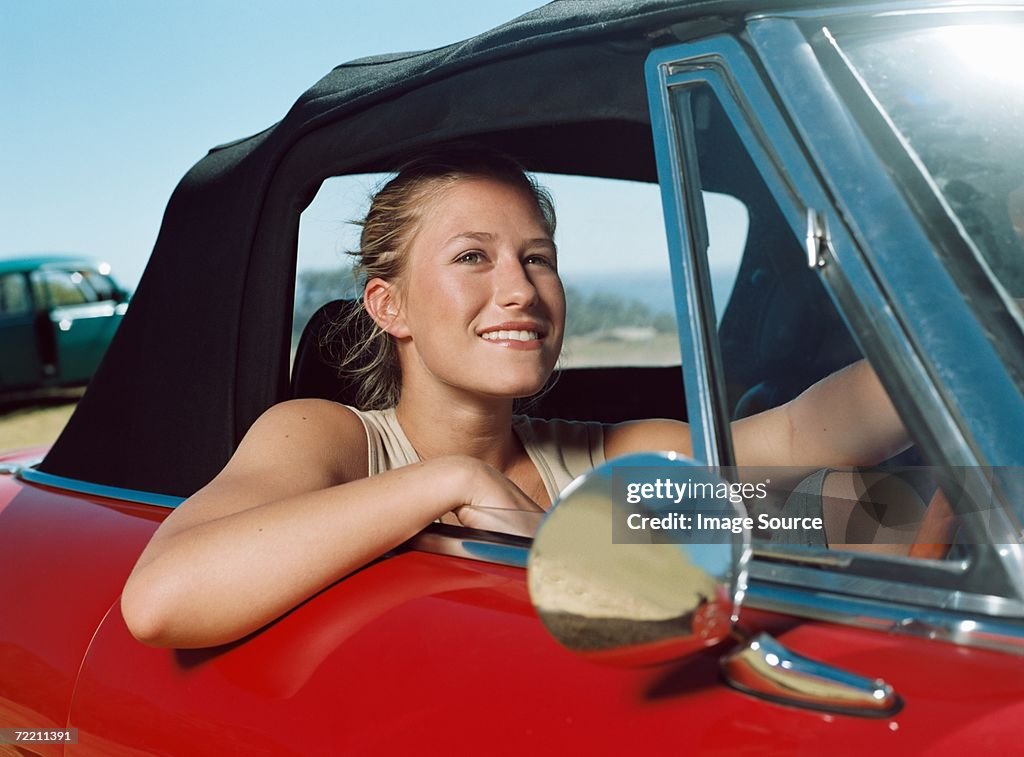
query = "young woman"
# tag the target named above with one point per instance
(465, 313)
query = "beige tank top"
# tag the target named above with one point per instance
(561, 450)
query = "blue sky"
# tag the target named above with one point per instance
(107, 103)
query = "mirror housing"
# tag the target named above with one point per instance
(639, 598)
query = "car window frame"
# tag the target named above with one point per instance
(724, 64)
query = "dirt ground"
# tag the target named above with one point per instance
(33, 420)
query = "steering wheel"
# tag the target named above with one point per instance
(935, 534)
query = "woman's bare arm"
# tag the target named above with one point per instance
(291, 513)
(844, 419)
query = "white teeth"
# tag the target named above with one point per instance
(515, 336)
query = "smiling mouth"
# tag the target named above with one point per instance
(510, 336)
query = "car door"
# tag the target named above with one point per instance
(82, 321)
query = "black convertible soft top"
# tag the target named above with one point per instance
(203, 349)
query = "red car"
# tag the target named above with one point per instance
(872, 161)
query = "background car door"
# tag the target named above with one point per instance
(82, 321)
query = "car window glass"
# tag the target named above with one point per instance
(100, 284)
(780, 334)
(953, 94)
(14, 299)
(612, 260)
(64, 287)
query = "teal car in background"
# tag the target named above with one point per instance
(58, 314)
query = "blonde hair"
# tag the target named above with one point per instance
(370, 360)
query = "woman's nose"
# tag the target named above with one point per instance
(513, 286)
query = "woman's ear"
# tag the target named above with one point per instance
(381, 300)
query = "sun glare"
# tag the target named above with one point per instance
(992, 53)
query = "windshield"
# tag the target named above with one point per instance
(956, 95)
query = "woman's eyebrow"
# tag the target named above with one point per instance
(478, 236)
(486, 236)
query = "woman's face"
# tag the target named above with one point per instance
(482, 306)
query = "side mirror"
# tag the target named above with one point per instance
(610, 598)
(636, 603)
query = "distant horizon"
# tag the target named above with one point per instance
(629, 284)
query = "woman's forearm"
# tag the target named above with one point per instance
(219, 580)
(845, 419)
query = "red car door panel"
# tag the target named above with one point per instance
(424, 652)
(64, 561)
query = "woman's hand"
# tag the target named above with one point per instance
(494, 503)
(515, 522)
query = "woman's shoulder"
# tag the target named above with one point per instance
(315, 415)
(312, 432)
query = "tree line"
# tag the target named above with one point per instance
(587, 312)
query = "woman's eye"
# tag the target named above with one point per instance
(543, 260)
(473, 256)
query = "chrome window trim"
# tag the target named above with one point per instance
(723, 64)
(918, 595)
(472, 544)
(83, 310)
(815, 556)
(687, 239)
(906, 9)
(436, 538)
(936, 624)
(33, 476)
